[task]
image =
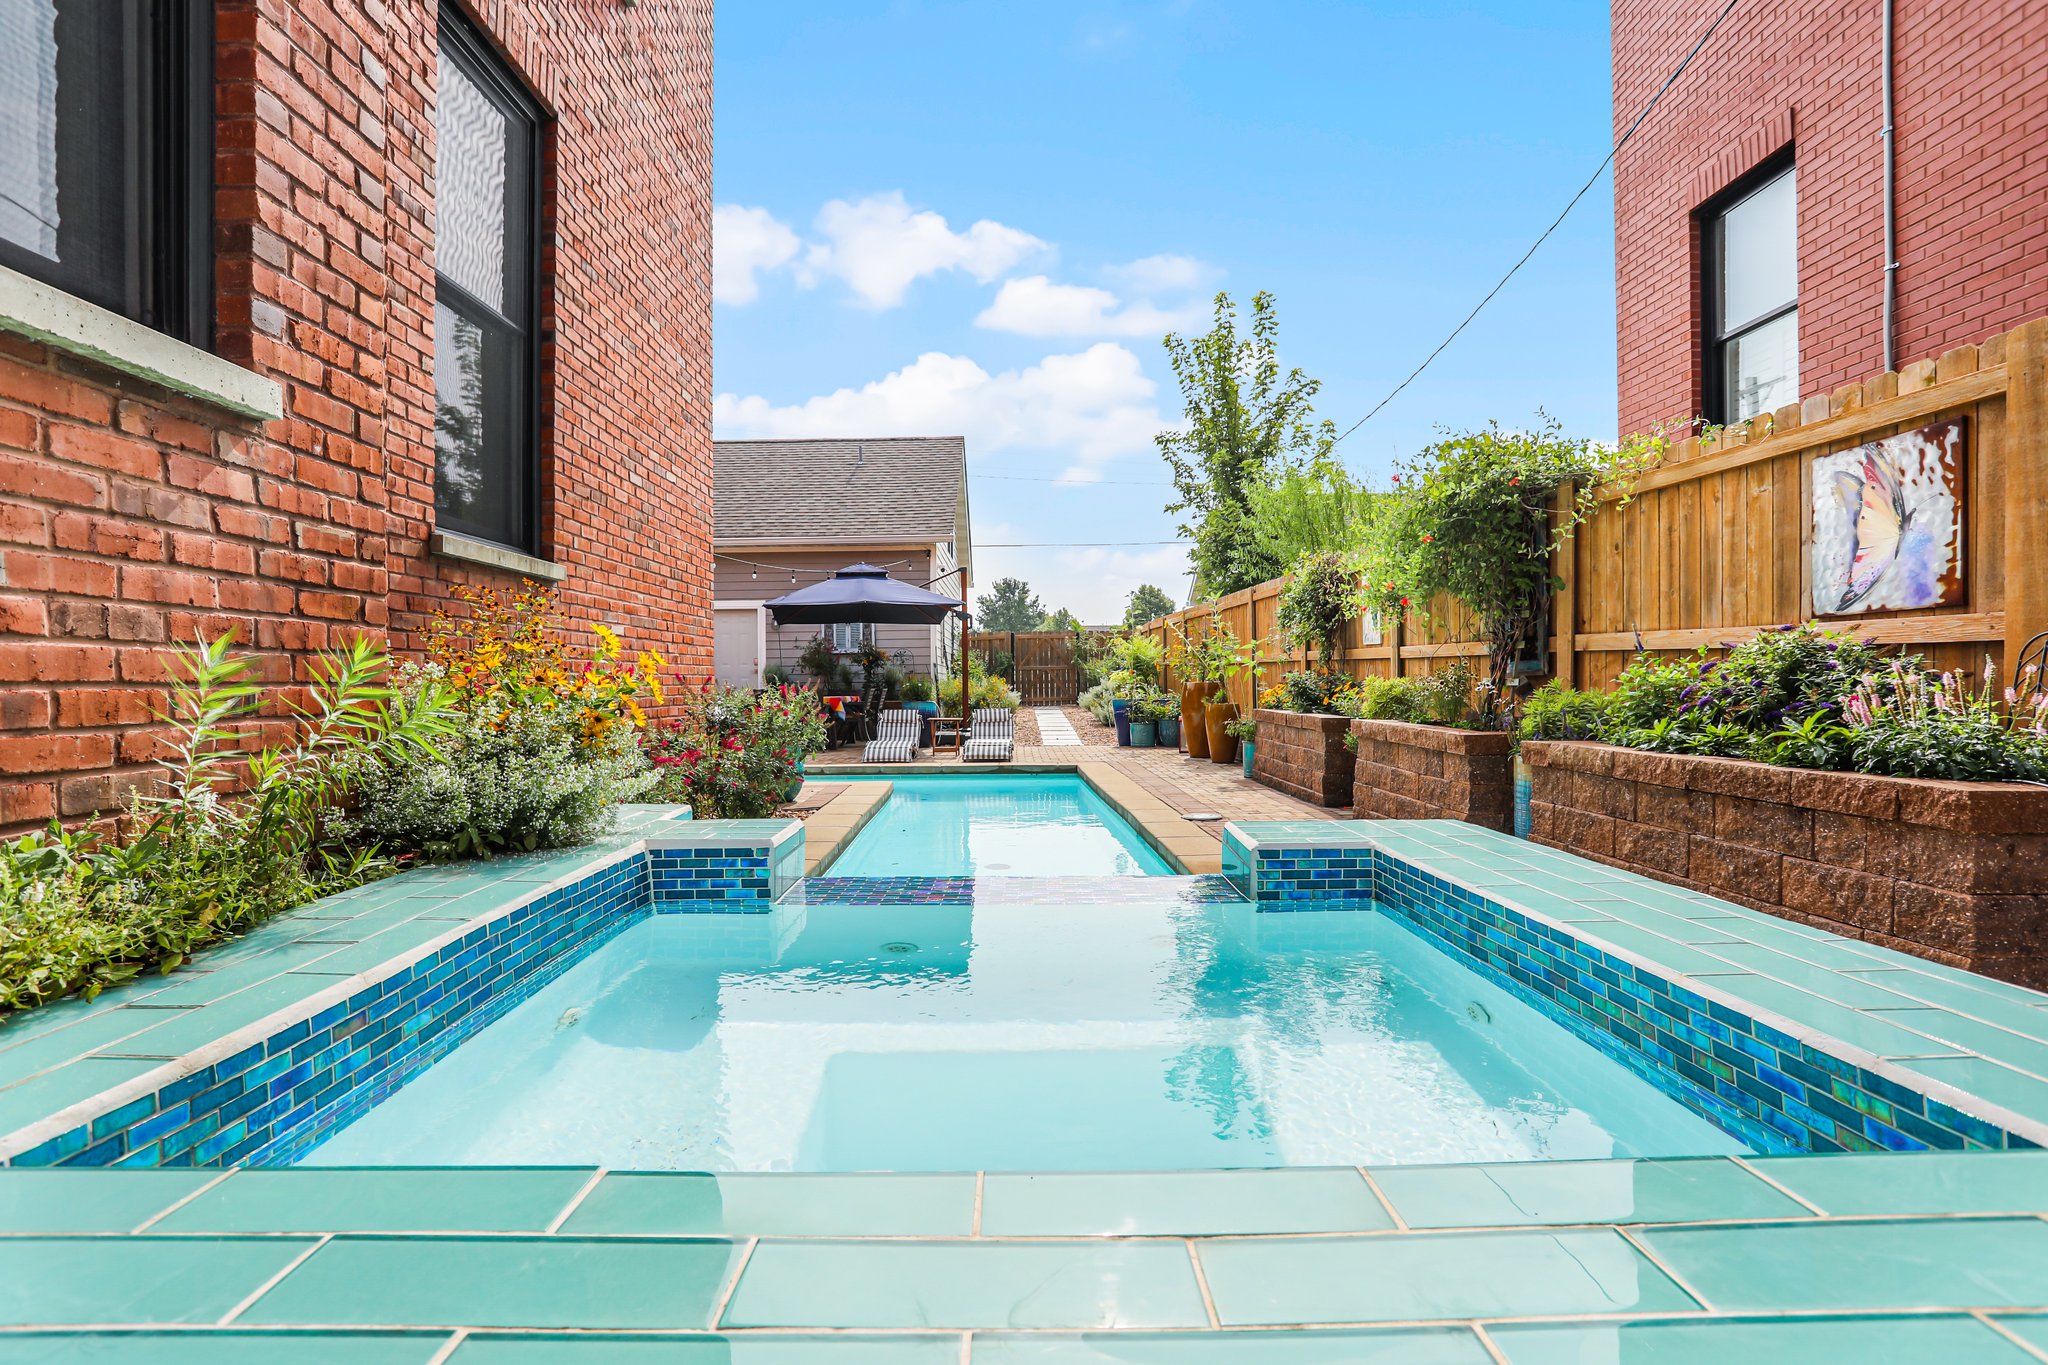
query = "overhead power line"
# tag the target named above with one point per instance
(1591, 180)
(1072, 544)
(1077, 483)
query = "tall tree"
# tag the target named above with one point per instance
(1316, 506)
(1062, 620)
(1009, 604)
(1245, 420)
(1147, 604)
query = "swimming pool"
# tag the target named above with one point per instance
(1183, 1029)
(1017, 825)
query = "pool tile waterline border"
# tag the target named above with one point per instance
(1776, 1082)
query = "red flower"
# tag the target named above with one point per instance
(1404, 601)
(1427, 539)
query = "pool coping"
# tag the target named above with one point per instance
(832, 827)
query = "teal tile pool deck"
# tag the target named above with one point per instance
(1898, 1256)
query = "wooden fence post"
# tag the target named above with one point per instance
(2026, 510)
(1564, 563)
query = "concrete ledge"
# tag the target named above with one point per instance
(452, 545)
(844, 815)
(32, 309)
(1181, 842)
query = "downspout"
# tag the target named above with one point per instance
(1891, 224)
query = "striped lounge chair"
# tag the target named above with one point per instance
(895, 741)
(991, 733)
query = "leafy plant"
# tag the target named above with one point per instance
(732, 754)
(1387, 699)
(1100, 702)
(1475, 517)
(1321, 598)
(1214, 657)
(1444, 697)
(1310, 692)
(1242, 728)
(544, 744)
(915, 687)
(231, 836)
(1906, 722)
(1557, 711)
(1244, 420)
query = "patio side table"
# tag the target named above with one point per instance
(946, 734)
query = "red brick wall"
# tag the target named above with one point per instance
(129, 517)
(1971, 108)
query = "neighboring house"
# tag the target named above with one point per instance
(334, 307)
(1750, 207)
(789, 513)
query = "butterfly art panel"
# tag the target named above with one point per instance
(1888, 523)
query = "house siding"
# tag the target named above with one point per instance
(735, 582)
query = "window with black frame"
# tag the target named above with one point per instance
(1752, 280)
(106, 155)
(487, 303)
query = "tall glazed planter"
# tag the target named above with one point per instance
(1216, 715)
(1193, 697)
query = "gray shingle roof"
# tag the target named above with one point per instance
(895, 487)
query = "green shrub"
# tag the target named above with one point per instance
(915, 687)
(732, 754)
(1311, 692)
(230, 837)
(517, 775)
(1445, 696)
(1099, 701)
(1321, 598)
(1387, 699)
(1556, 711)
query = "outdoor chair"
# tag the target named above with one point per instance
(895, 738)
(991, 735)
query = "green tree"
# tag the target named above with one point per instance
(1147, 603)
(1311, 507)
(1062, 620)
(1009, 604)
(1245, 421)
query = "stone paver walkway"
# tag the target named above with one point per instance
(1054, 728)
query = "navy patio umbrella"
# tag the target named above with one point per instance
(861, 593)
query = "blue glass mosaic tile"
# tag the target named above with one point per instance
(1775, 1092)
(1293, 876)
(271, 1102)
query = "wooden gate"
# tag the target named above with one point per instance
(1040, 663)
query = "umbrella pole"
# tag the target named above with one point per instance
(966, 672)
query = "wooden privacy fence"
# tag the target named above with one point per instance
(1043, 668)
(1715, 544)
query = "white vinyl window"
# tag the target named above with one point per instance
(1753, 302)
(848, 636)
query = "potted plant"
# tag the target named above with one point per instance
(1206, 664)
(1243, 729)
(1168, 720)
(1144, 722)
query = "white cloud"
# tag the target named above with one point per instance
(880, 246)
(1163, 274)
(1092, 582)
(1036, 307)
(745, 242)
(1096, 404)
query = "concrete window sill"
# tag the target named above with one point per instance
(30, 308)
(450, 545)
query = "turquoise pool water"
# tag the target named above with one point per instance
(1027, 825)
(1091, 1033)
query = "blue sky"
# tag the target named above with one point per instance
(980, 217)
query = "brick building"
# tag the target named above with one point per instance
(310, 311)
(1750, 207)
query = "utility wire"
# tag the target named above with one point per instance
(1591, 180)
(1072, 544)
(1077, 483)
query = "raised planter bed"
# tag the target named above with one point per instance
(1956, 872)
(1303, 756)
(1433, 772)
